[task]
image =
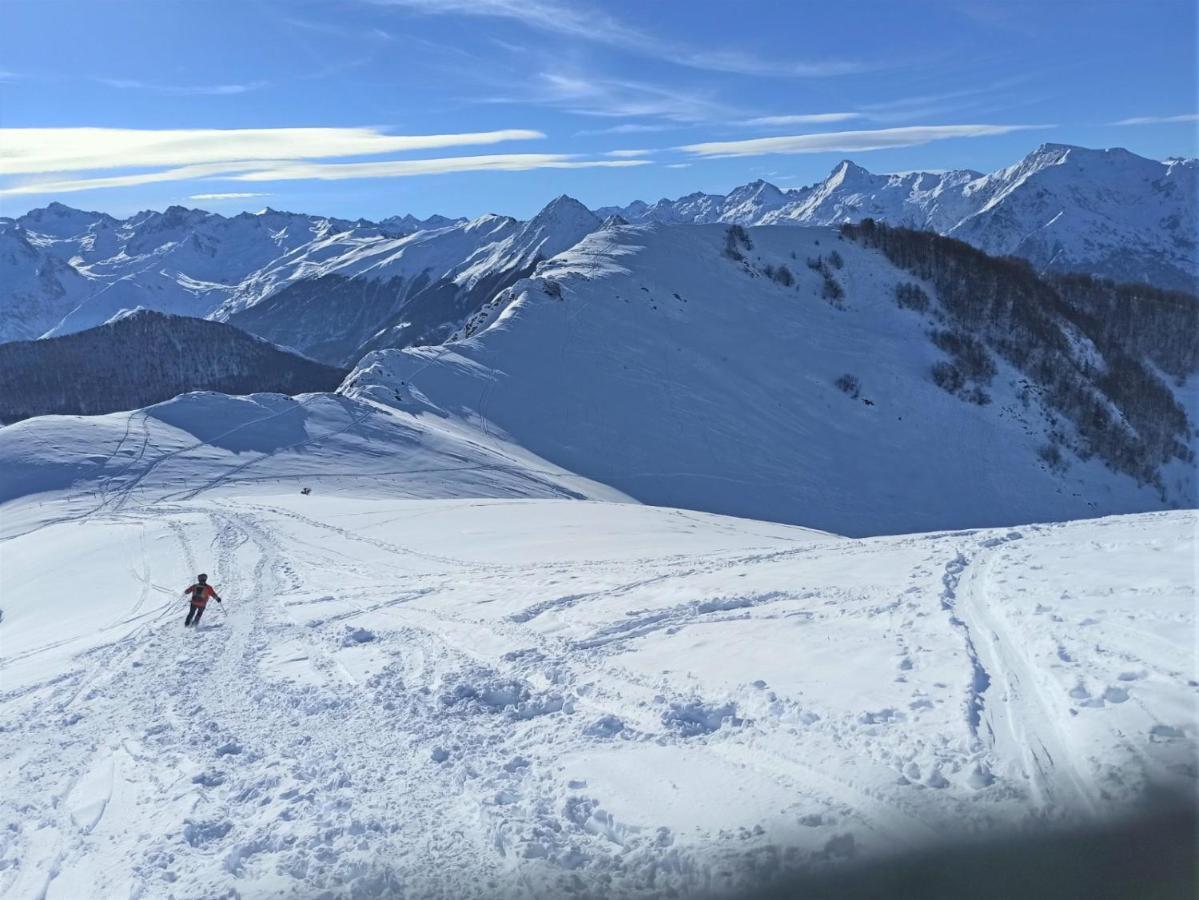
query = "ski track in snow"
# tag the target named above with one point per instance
(371, 715)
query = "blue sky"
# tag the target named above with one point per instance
(377, 107)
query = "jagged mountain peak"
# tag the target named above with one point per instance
(1066, 208)
(849, 174)
(58, 220)
(563, 208)
(758, 188)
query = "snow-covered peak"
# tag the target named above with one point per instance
(57, 220)
(750, 202)
(847, 173)
(1063, 207)
(564, 212)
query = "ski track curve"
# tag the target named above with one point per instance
(434, 773)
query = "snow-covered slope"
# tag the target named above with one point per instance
(650, 359)
(144, 357)
(205, 442)
(501, 698)
(1105, 212)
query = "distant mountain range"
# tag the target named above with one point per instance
(1104, 212)
(144, 357)
(334, 288)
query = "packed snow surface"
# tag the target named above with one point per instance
(476, 697)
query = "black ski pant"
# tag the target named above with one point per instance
(193, 615)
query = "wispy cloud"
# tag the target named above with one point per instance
(41, 150)
(184, 90)
(400, 168)
(628, 154)
(805, 119)
(333, 29)
(287, 170)
(899, 109)
(628, 128)
(596, 26)
(1158, 120)
(678, 166)
(233, 195)
(850, 141)
(181, 173)
(590, 95)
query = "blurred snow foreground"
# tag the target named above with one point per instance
(442, 695)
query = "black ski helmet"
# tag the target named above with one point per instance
(201, 578)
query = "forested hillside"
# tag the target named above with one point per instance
(143, 358)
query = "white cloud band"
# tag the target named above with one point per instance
(284, 170)
(397, 168)
(849, 141)
(1159, 120)
(26, 151)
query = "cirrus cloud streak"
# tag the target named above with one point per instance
(399, 168)
(27, 151)
(285, 170)
(850, 141)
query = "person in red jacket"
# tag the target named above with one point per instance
(200, 592)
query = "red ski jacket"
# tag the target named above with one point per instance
(200, 594)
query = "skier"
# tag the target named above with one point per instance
(200, 592)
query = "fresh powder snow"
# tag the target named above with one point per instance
(454, 668)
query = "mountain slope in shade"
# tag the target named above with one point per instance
(39, 288)
(1105, 212)
(349, 297)
(184, 261)
(144, 357)
(683, 367)
(330, 298)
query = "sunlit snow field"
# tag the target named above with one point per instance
(465, 697)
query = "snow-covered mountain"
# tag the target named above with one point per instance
(144, 357)
(1108, 213)
(70, 269)
(39, 288)
(797, 375)
(339, 299)
(324, 286)
(1104, 212)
